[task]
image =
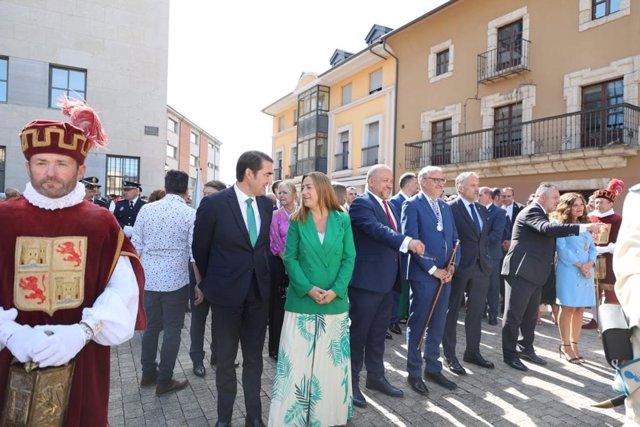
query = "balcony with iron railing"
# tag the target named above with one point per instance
(311, 164)
(342, 161)
(370, 155)
(592, 130)
(507, 59)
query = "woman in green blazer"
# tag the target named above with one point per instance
(312, 385)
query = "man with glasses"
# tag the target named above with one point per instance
(126, 210)
(427, 218)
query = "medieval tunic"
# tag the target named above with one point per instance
(614, 220)
(63, 261)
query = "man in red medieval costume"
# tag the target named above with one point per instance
(604, 199)
(69, 279)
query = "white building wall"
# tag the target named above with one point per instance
(123, 45)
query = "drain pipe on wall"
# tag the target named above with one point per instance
(395, 114)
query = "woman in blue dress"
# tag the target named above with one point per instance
(575, 258)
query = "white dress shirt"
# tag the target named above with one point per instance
(404, 247)
(243, 207)
(162, 235)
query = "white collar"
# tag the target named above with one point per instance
(599, 214)
(36, 199)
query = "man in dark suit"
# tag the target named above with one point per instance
(376, 273)
(427, 218)
(230, 245)
(527, 267)
(126, 210)
(408, 188)
(498, 233)
(509, 204)
(472, 274)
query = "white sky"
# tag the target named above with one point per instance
(229, 60)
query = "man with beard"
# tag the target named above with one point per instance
(70, 281)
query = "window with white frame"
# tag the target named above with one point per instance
(375, 81)
(440, 61)
(281, 123)
(346, 94)
(193, 160)
(371, 144)
(593, 13)
(277, 166)
(171, 151)
(194, 138)
(172, 125)
(342, 151)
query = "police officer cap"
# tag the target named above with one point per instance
(127, 185)
(90, 181)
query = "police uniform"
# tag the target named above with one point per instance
(125, 211)
(91, 182)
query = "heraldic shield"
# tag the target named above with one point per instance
(49, 273)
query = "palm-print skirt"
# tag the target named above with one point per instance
(312, 384)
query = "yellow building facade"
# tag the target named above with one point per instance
(340, 122)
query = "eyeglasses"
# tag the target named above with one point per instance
(438, 180)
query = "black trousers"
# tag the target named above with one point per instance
(199, 314)
(245, 325)
(279, 283)
(521, 315)
(370, 313)
(476, 282)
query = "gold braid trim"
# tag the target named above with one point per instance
(117, 253)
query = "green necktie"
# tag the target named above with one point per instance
(251, 221)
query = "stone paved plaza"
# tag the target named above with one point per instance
(557, 394)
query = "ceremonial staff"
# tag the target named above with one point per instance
(452, 259)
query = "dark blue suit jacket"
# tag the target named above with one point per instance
(377, 245)
(223, 252)
(419, 222)
(498, 232)
(397, 201)
(474, 245)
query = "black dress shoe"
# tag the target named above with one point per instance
(454, 366)
(172, 385)
(515, 363)
(199, 370)
(358, 399)
(387, 335)
(395, 328)
(532, 357)
(253, 423)
(493, 319)
(418, 385)
(148, 379)
(382, 385)
(440, 379)
(477, 359)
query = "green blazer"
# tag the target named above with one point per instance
(328, 265)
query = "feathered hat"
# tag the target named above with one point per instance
(75, 139)
(613, 190)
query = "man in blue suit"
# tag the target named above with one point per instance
(408, 188)
(379, 244)
(472, 274)
(230, 245)
(429, 219)
(490, 198)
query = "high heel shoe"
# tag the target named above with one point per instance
(575, 350)
(563, 354)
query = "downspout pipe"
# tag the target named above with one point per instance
(395, 113)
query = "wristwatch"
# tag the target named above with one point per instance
(88, 332)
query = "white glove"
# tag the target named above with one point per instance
(20, 339)
(128, 231)
(59, 348)
(612, 247)
(9, 315)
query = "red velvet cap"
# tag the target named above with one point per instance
(613, 190)
(48, 136)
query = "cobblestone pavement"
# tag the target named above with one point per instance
(557, 394)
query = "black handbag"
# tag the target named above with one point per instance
(615, 334)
